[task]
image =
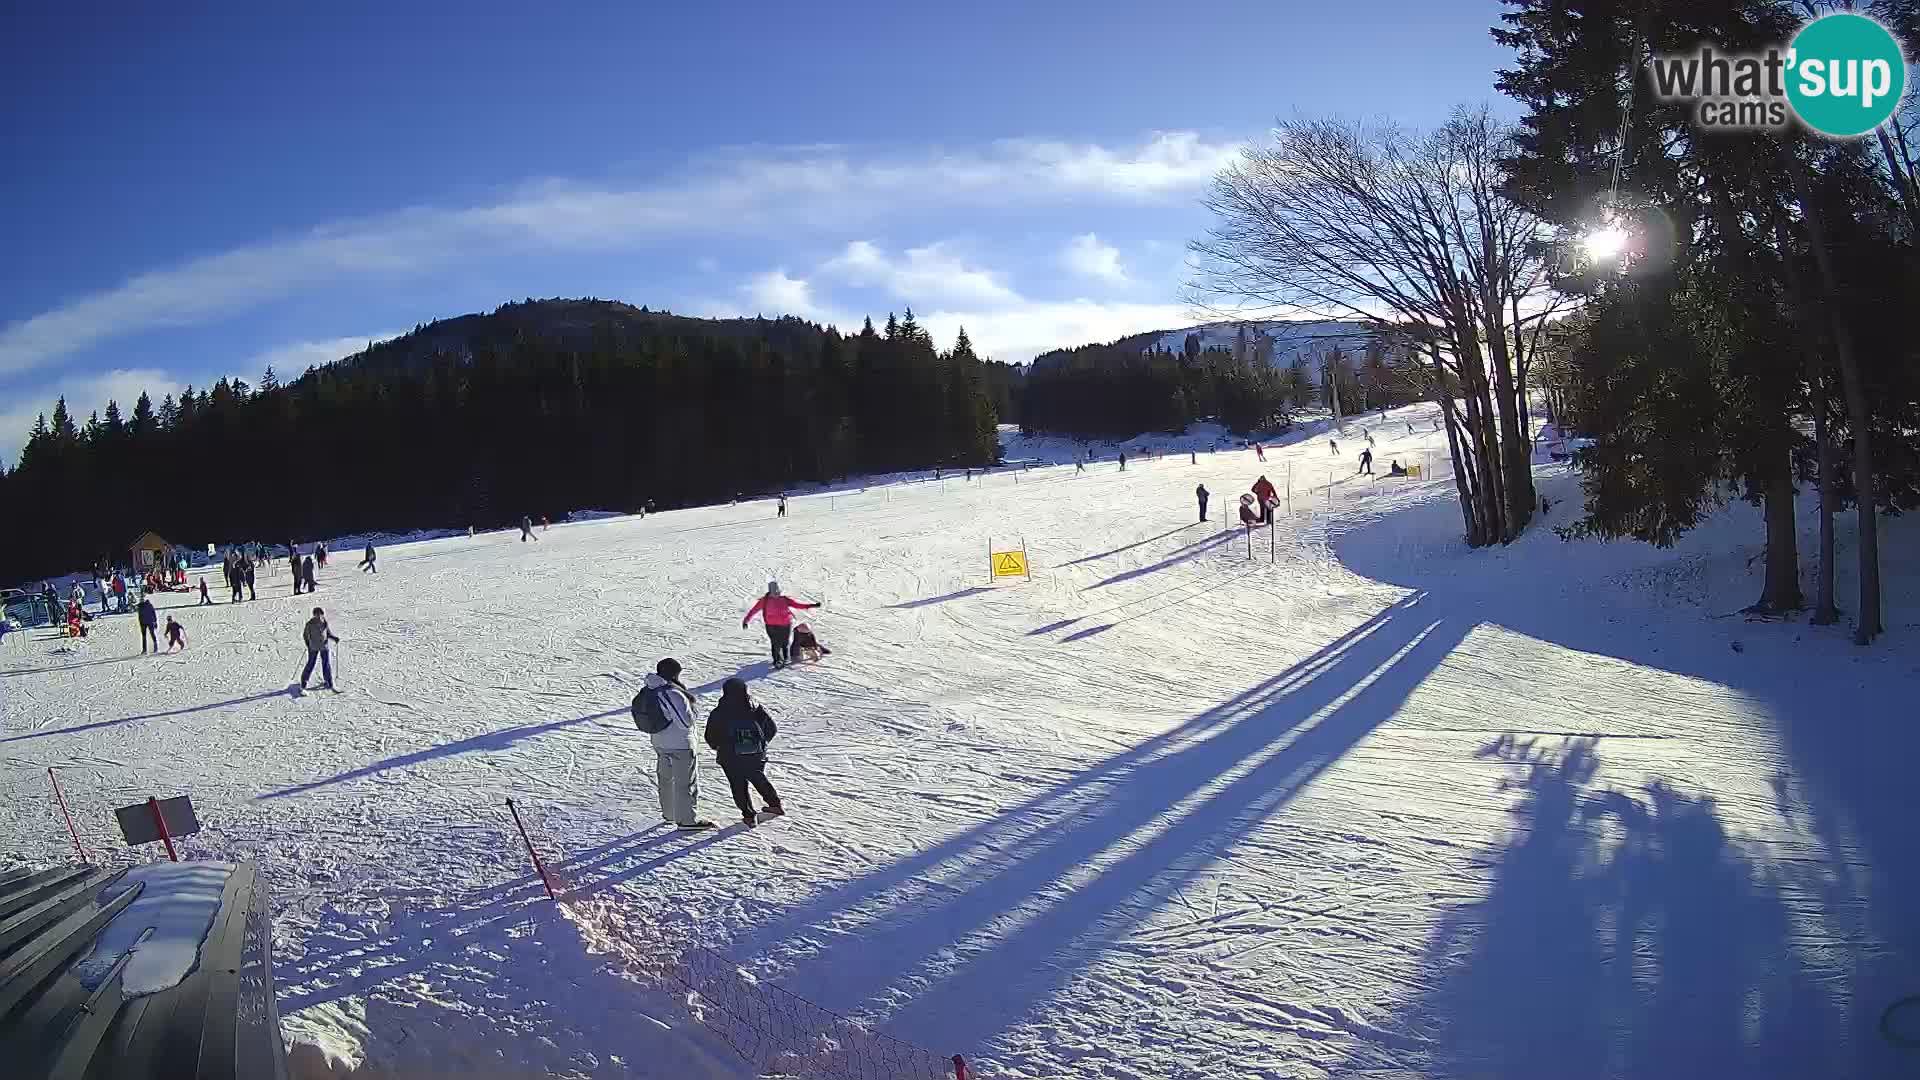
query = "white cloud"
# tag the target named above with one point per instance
(1089, 256)
(776, 293)
(291, 360)
(1019, 331)
(85, 395)
(923, 275)
(809, 188)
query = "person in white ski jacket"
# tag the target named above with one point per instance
(673, 748)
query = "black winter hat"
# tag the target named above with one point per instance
(668, 668)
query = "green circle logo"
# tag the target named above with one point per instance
(1846, 75)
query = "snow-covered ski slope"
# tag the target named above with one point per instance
(1369, 805)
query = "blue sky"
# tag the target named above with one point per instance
(190, 195)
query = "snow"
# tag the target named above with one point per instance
(1364, 804)
(161, 931)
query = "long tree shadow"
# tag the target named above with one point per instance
(1175, 558)
(1127, 547)
(1623, 935)
(1843, 735)
(96, 725)
(908, 605)
(1194, 793)
(492, 740)
(50, 668)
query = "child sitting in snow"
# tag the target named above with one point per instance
(176, 635)
(805, 646)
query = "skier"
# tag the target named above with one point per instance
(149, 626)
(526, 530)
(1079, 466)
(320, 555)
(1264, 491)
(738, 731)
(317, 636)
(1193, 457)
(1409, 427)
(293, 567)
(246, 574)
(306, 573)
(1259, 452)
(366, 562)
(782, 507)
(1366, 463)
(664, 709)
(777, 611)
(1369, 440)
(119, 592)
(235, 582)
(1123, 461)
(1334, 446)
(176, 636)
(1201, 494)
(205, 600)
(545, 525)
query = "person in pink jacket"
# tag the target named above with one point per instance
(777, 609)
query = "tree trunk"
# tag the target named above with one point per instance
(1781, 592)
(1462, 476)
(1824, 611)
(1902, 179)
(1859, 416)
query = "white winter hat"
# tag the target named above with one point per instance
(773, 588)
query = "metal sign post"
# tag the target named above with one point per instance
(158, 819)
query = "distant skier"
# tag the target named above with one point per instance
(149, 626)
(1369, 440)
(1079, 466)
(119, 592)
(1264, 491)
(1201, 494)
(205, 600)
(1123, 461)
(306, 573)
(1333, 446)
(246, 574)
(1409, 427)
(1193, 457)
(320, 555)
(1366, 463)
(776, 609)
(545, 525)
(293, 568)
(366, 561)
(782, 507)
(176, 636)
(526, 530)
(664, 710)
(738, 731)
(1259, 452)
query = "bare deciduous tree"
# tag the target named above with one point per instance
(1409, 233)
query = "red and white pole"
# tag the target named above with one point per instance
(959, 1067)
(538, 867)
(160, 822)
(64, 812)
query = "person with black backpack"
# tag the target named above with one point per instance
(664, 710)
(739, 731)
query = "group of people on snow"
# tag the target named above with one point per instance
(738, 731)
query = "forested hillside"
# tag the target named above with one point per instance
(537, 408)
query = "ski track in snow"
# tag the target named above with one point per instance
(1372, 806)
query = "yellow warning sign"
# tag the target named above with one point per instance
(1009, 564)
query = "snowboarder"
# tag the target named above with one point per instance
(1394, 468)
(526, 530)
(205, 600)
(366, 561)
(1264, 491)
(176, 636)
(738, 731)
(664, 709)
(805, 646)
(1201, 494)
(149, 626)
(1366, 463)
(776, 610)
(318, 636)
(306, 573)
(782, 507)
